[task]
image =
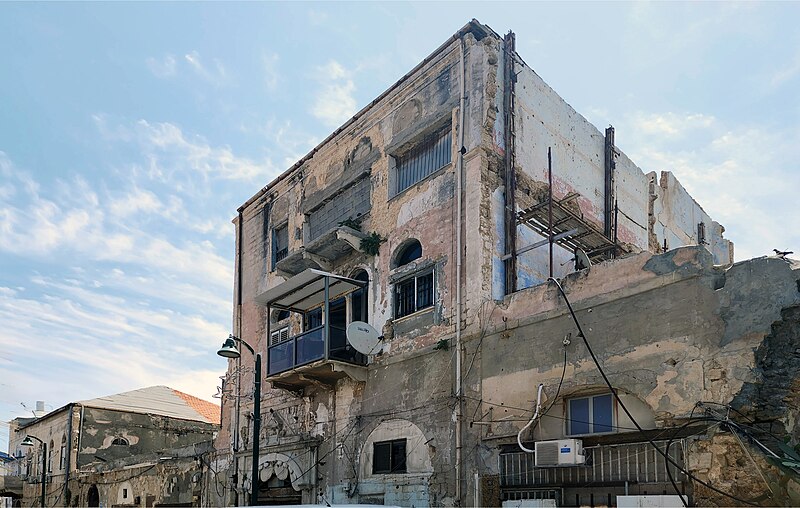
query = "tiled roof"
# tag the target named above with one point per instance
(160, 400)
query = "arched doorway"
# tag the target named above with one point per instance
(93, 496)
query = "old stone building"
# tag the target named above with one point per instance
(436, 214)
(144, 448)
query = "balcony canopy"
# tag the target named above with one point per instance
(306, 290)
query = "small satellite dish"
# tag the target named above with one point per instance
(364, 338)
(581, 260)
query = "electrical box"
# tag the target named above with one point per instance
(561, 452)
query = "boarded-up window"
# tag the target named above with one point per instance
(351, 203)
(424, 159)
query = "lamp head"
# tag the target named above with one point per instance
(229, 349)
(27, 441)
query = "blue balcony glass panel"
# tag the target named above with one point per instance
(280, 357)
(310, 346)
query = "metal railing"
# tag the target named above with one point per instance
(320, 343)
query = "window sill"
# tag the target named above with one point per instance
(413, 315)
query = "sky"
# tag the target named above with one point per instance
(131, 132)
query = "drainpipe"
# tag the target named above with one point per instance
(236, 436)
(459, 256)
(67, 461)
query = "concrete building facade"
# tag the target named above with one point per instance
(436, 214)
(140, 448)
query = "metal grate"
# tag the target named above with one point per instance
(424, 159)
(634, 462)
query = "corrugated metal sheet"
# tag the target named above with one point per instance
(159, 400)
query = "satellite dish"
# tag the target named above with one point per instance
(363, 337)
(581, 260)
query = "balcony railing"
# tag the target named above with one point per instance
(320, 343)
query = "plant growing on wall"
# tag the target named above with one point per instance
(351, 223)
(372, 243)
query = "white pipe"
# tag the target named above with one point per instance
(459, 191)
(535, 416)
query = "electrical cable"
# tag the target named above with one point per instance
(628, 413)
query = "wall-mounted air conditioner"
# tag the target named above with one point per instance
(561, 452)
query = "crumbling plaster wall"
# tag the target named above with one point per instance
(543, 119)
(51, 430)
(426, 211)
(670, 330)
(675, 218)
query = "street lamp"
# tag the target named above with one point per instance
(28, 442)
(229, 350)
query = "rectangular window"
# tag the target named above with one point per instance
(62, 457)
(413, 294)
(389, 457)
(427, 157)
(590, 415)
(280, 244)
(312, 319)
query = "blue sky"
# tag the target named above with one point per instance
(131, 132)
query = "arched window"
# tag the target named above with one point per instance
(358, 299)
(408, 253)
(119, 441)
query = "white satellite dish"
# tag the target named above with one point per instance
(364, 338)
(581, 260)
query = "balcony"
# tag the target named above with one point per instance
(321, 252)
(321, 354)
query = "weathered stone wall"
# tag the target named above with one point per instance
(670, 331)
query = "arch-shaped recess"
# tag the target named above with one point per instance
(407, 252)
(359, 310)
(120, 441)
(418, 455)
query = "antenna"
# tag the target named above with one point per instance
(364, 338)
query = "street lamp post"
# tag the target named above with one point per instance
(27, 442)
(229, 350)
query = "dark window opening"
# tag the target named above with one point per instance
(312, 319)
(413, 294)
(701, 234)
(358, 299)
(409, 253)
(389, 457)
(119, 441)
(280, 244)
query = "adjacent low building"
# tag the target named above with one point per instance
(437, 214)
(137, 448)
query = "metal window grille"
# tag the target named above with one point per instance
(413, 294)
(280, 243)
(424, 159)
(633, 462)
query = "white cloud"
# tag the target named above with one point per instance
(671, 124)
(334, 103)
(271, 73)
(216, 75)
(787, 72)
(167, 141)
(162, 67)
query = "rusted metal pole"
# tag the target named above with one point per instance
(550, 205)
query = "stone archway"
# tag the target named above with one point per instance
(93, 496)
(277, 476)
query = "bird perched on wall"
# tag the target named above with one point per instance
(782, 253)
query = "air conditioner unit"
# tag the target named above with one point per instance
(561, 452)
